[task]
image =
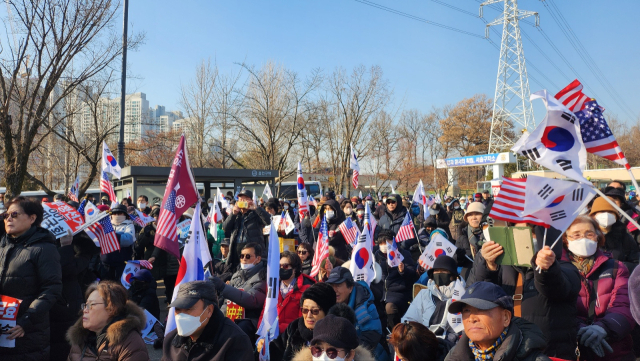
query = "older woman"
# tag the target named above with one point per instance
(314, 303)
(109, 327)
(334, 338)
(30, 271)
(412, 341)
(604, 316)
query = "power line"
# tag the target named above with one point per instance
(544, 54)
(397, 12)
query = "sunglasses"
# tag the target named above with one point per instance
(331, 352)
(314, 311)
(13, 215)
(302, 252)
(285, 266)
(245, 256)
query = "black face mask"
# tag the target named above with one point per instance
(136, 286)
(285, 274)
(442, 279)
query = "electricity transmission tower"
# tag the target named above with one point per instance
(511, 106)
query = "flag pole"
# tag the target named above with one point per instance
(633, 180)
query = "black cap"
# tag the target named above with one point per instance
(615, 192)
(190, 292)
(225, 241)
(120, 208)
(337, 332)
(444, 262)
(483, 296)
(246, 193)
(154, 212)
(339, 275)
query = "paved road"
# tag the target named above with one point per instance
(156, 355)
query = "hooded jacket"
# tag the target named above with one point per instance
(548, 299)
(220, 340)
(124, 342)
(248, 288)
(608, 281)
(524, 342)
(336, 239)
(30, 271)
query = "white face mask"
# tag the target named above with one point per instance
(118, 219)
(583, 247)
(369, 202)
(432, 212)
(348, 211)
(605, 219)
(361, 213)
(293, 204)
(187, 324)
(246, 266)
(383, 247)
(456, 207)
(286, 206)
(324, 357)
(329, 214)
(142, 206)
(210, 205)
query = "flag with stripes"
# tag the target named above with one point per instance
(406, 229)
(75, 188)
(597, 136)
(106, 187)
(572, 96)
(322, 248)
(144, 263)
(104, 232)
(349, 230)
(145, 219)
(167, 221)
(353, 164)
(136, 219)
(509, 203)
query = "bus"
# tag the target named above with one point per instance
(289, 190)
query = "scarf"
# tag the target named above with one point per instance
(305, 333)
(583, 265)
(488, 354)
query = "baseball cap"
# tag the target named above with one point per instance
(192, 292)
(483, 296)
(225, 241)
(339, 275)
(246, 193)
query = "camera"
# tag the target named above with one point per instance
(242, 204)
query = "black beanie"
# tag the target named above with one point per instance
(322, 294)
(337, 332)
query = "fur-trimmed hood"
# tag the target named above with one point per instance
(117, 332)
(362, 354)
(375, 264)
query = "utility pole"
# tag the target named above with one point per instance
(511, 104)
(123, 86)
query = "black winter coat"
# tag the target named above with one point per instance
(305, 233)
(221, 340)
(145, 295)
(524, 342)
(621, 245)
(144, 242)
(30, 271)
(253, 283)
(307, 266)
(336, 239)
(244, 228)
(395, 287)
(549, 299)
(166, 264)
(393, 221)
(288, 343)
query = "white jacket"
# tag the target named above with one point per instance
(127, 232)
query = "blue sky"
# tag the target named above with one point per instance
(425, 65)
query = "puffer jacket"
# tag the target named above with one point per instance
(289, 306)
(336, 239)
(395, 286)
(247, 288)
(221, 340)
(362, 354)
(621, 245)
(368, 323)
(123, 340)
(608, 281)
(30, 271)
(393, 221)
(292, 340)
(243, 228)
(524, 342)
(548, 299)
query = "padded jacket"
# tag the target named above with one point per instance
(248, 288)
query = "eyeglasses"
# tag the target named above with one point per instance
(285, 266)
(331, 352)
(245, 256)
(89, 306)
(13, 215)
(588, 234)
(302, 252)
(314, 311)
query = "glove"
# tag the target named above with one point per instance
(592, 336)
(217, 282)
(600, 348)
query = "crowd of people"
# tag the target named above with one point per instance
(579, 300)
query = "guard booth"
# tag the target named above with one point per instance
(152, 181)
(496, 160)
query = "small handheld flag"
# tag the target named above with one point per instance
(394, 257)
(322, 248)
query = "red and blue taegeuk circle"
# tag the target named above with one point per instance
(111, 160)
(557, 139)
(556, 202)
(362, 257)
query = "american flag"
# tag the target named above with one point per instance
(572, 96)
(73, 191)
(137, 219)
(145, 264)
(106, 187)
(511, 198)
(167, 221)
(353, 164)
(322, 248)
(350, 231)
(406, 229)
(103, 230)
(597, 136)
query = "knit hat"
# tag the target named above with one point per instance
(444, 262)
(337, 332)
(103, 207)
(601, 205)
(430, 222)
(615, 193)
(478, 195)
(384, 235)
(322, 294)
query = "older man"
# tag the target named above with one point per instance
(490, 330)
(245, 224)
(203, 333)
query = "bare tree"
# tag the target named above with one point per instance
(49, 36)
